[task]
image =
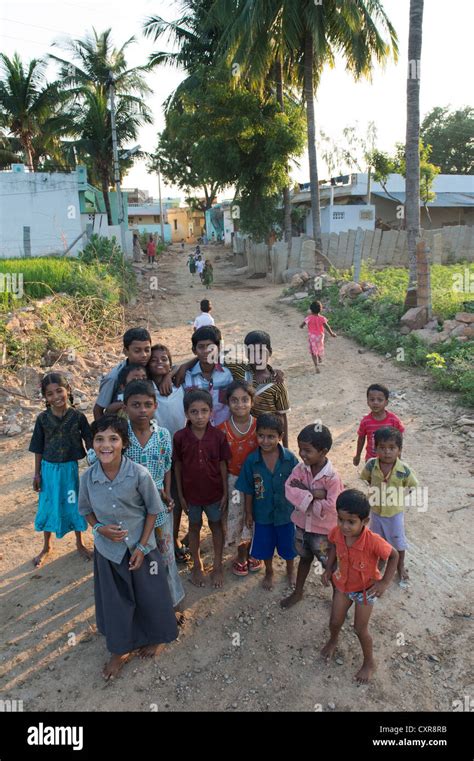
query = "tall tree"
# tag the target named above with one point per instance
(412, 152)
(85, 77)
(30, 108)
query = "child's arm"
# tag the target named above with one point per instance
(284, 439)
(136, 559)
(166, 494)
(225, 494)
(111, 531)
(360, 446)
(37, 476)
(330, 330)
(114, 407)
(98, 411)
(331, 565)
(302, 324)
(179, 484)
(378, 587)
(180, 372)
(248, 510)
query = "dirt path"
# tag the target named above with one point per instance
(239, 651)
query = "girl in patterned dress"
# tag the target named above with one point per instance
(150, 446)
(317, 324)
(58, 443)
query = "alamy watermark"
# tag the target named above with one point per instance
(12, 283)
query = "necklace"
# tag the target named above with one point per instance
(237, 428)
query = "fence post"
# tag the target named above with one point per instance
(359, 239)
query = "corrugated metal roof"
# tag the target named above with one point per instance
(443, 200)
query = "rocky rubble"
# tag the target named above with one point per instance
(414, 321)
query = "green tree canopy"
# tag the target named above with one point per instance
(451, 137)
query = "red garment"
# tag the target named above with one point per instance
(316, 323)
(151, 248)
(240, 446)
(368, 426)
(200, 459)
(357, 565)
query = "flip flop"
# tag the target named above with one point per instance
(182, 555)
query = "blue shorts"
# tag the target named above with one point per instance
(213, 512)
(267, 538)
(359, 598)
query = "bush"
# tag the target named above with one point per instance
(374, 322)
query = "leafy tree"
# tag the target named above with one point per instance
(451, 137)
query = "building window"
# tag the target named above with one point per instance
(175, 222)
(369, 214)
(338, 214)
(156, 218)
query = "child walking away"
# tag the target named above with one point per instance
(126, 375)
(378, 417)
(137, 348)
(389, 478)
(151, 250)
(58, 443)
(200, 454)
(317, 324)
(120, 501)
(150, 446)
(200, 267)
(205, 318)
(313, 489)
(240, 431)
(208, 274)
(262, 479)
(208, 373)
(352, 566)
(192, 265)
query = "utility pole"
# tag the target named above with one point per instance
(121, 215)
(161, 206)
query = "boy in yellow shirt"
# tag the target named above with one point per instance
(389, 478)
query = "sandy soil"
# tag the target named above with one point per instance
(239, 650)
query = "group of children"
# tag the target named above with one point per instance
(211, 437)
(203, 267)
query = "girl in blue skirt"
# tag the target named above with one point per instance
(57, 442)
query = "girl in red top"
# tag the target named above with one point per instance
(240, 431)
(317, 324)
(151, 250)
(352, 567)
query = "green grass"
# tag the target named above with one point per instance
(374, 323)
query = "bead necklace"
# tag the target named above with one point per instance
(237, 428)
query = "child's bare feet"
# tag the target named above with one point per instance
(40, 559)
(267, 582)
(84, 551)
(288, 602)
(149, 651)
(197, 577)
(217, 577)
(403, 574)
(317, 370)
(291, 579)
(365, 672)
(180, 618)
(114, 666)
(328, 650)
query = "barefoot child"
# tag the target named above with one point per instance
(317, 324)
(58, 443)
(262, 479)
(120, 501)
(389, 478)
(169, 414)
(352, 566)
(150, 446)
(137, 349)
(378, 417)
(312, 488)
(240, 431)
(200, 454)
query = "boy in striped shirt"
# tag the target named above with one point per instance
(378, 417)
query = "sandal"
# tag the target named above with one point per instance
(240, 569)
(182, 555)
(254, 565)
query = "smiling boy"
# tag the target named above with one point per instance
(208, 373)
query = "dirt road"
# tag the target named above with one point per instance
(239, 650)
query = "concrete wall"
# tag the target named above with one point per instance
(154, 228)
(340, 218)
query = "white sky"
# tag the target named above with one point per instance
(31, 27)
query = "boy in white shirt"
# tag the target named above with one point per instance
(204, 318)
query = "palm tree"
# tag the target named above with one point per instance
(311, 35)
(412, 147)
(29, 107)
(86, 78)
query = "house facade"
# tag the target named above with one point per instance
(186, 224)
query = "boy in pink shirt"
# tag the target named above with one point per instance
(313, 489)
(317, 324)
(378, 417)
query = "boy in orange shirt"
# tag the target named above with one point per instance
(352, 568)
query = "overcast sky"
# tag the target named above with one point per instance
(446, 73)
